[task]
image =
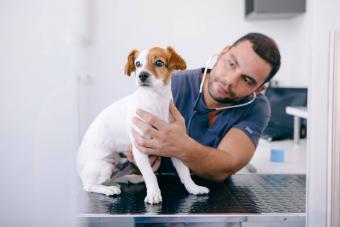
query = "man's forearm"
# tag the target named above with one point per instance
(207, 162)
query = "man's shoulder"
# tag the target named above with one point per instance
(261, 98)
(190, 74)
(186, 80)
(262, 105)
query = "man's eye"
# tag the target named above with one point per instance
(159, 63)
(138, 64)
(231, 64)
(248, 81)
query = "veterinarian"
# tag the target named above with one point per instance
(215, 129)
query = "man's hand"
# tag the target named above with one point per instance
(167, 139)
(155, 161)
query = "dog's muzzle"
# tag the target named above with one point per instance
(144, 78)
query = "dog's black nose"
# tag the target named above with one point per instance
(143, 76)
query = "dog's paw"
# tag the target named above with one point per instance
(135, 179)
(153, 197)
(102, 189)
(112, 190)
(197, 190)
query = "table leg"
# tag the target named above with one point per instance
(296, 129)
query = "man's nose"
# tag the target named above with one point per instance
(143, 76)
(232, 79)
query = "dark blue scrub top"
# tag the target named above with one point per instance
(251, 119)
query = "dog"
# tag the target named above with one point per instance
(111, 131)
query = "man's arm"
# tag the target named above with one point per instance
(234, 152)
(171, 140)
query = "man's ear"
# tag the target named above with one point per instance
(130, 65)
(260, 89)
(176, 62)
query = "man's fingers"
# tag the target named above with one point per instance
(140, 140)
(129, 154)
(129, 157)
(144, 150)
(143, 145)
(152, 158)
(144, 127)
(174, 111)
(150, 119)
(155, 162)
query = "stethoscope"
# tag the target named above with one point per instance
(208, 110)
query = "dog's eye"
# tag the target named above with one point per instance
(138, 64)
(159, 63)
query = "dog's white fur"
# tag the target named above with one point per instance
(111, 132)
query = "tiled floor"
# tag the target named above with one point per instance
(294, 163)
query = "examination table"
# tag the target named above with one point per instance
(243, 198)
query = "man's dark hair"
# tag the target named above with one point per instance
(266, 48)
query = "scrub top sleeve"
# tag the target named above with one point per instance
(255, 122)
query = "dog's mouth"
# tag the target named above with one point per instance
(144, 84)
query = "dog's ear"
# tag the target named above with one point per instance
(176, 62)
(130, 65)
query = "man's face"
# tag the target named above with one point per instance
(238, 72)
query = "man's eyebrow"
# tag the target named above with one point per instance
(244, 75)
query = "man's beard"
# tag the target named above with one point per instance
(229, 101)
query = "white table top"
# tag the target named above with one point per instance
(297, 111)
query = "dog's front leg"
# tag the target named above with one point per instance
(153, 193)
(185, 177)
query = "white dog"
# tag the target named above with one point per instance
(111, 130)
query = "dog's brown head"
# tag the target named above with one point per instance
(155, 62)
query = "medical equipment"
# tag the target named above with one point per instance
(208, 110)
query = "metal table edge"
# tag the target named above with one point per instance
(234, 217)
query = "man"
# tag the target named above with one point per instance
(214, 144)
